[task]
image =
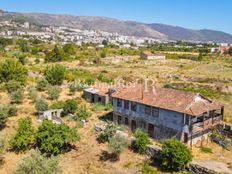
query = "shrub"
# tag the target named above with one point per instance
(33, 94)
(57, 54)
(82, 113)
(12, 110)
(175, 155)
(13, 85)
(57, 105)
(36, 163)
(108, 133)
(16, 96)
(70, 106)
(141, 141)
(22, 58)
(147, 168)
(53, 92)
(24, 137)
(41, 105)
(13, 70)
(117, 144)
(42, 84)
(53, 139)
(55, 74)
(2, 145)
(3, 116)
(73, 88)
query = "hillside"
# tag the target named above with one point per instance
(180, 33)
(130, 28)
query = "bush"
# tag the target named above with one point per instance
(41, 105)
(53, 139)
(13, 70)
(141, 141)
(16, 96)
(117, 144)
(73, 88)
(147, 168)
(70, 106)
(12, 110)
(13, 85)
(53, 92)
(55, 74)
(82, 113)
(57, 105)
(36, 163)
(33, 94)
(3, 116)
(108, 133)
(24, 137)
(42, 84)
(56, 55)
(175, 155)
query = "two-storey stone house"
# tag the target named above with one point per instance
(165, 113)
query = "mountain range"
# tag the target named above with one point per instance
(129, 28)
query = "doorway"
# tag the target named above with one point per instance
(133, 125)
(151, 129)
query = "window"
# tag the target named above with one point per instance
(155, 112)
(133, 106)
(99, 99)
(148, 110)
(126, 104)
(119, 102)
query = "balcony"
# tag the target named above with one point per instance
(207, 123)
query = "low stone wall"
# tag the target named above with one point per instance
(196, 168)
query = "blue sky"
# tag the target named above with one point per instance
(195, 14)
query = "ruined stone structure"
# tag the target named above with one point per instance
(54, 115)
(165, 113)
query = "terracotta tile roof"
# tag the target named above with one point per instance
(170, 99)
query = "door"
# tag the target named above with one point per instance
(119, 119)
(126, 121)
(151, 129)
(185, 138)
(133, 125)
(92, 98)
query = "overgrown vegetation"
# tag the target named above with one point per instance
(141, 141)
(175, 155)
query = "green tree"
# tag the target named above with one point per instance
(70, 106)
(175, 155)
(53, 92)
(12, 70)
(13, 85)
(141, 141)
(3, 116)
(41, 105)
(56, 55)
(32, 93)
(69, 49)
(53, 139)
(108, 133)
(36, 163)
(24, 45)
(42, 84)
(25, 136)
(16, 96)
(55, 74)
(117, 144)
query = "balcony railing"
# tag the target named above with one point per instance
(206, 124)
